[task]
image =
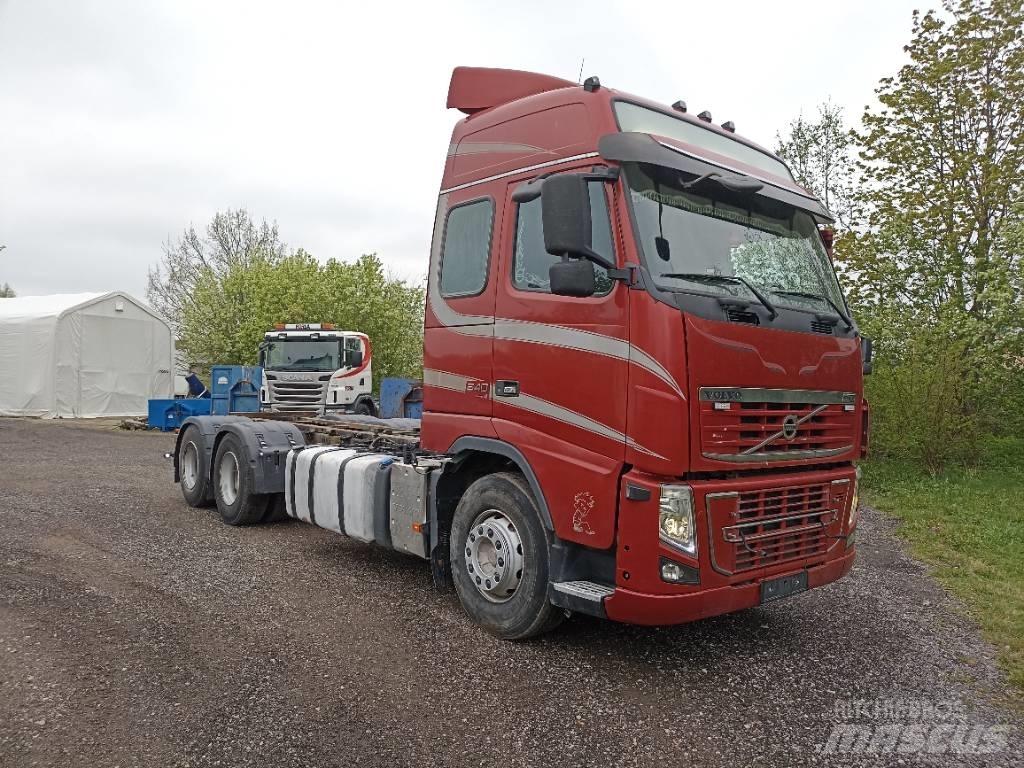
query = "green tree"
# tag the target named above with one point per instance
(935, 267)
(820, 154)
(231, 240)
(6, 292)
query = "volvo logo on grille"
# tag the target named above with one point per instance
(720, 395)
(789, 425)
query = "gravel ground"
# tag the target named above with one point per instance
(135, 631)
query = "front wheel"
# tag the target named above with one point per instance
(232, 485)
(499, 558)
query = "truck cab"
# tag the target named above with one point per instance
(314, 367)
(639, 307)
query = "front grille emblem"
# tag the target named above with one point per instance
(789, 425)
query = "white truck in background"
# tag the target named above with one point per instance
(315, 367)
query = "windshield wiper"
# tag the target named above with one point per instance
(807, 295)
(700, 277)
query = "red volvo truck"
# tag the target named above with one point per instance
(642, 385)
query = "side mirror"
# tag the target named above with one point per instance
(572, 277)
(827, 237)
(354, 358)
(565, 212)
(865, 353)
(261, 354)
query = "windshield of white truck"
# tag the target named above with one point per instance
(302, 355)
(710, 240)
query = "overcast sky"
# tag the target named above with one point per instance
(123, 122)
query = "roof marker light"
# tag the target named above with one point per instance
(679, 106)
(705, 116)
(591, 84)
(729, 126)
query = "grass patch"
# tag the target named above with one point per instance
(969, 524)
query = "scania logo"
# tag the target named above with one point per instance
(789, 426)
(293, 377)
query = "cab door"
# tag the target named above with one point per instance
(459, 319)
(560, 370)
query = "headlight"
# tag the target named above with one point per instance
(854, 502)
(675, 522)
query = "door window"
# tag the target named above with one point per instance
(530, 263)
(467, 246)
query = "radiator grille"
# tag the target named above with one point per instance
(764, 528)
(297, 395)
(758, 430)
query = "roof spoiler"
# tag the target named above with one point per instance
(473, 89)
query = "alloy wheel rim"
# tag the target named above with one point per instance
(494, 556)
(190, 466)
(229, 478)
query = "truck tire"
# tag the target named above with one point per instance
(364, 408)
(194, 470)
(232, 484)
(499, 558)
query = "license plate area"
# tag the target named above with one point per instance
(784, 586)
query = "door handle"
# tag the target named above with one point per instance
(506, 388)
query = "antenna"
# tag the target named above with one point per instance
(579, 77)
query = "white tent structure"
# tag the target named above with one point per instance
(82, 355)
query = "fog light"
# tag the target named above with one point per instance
(675, 518)
(677, 573)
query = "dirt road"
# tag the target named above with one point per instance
(135, 631)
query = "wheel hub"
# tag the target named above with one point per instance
(494, 556)
(229, 478)
(190, 466)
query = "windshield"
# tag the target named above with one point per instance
(302, 355)
(693, 236)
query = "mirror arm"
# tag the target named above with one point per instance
(614, 273)
(531, 189)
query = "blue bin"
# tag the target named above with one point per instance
(401, 398)
(167, 415)
(235, 388)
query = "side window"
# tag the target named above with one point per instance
(531, 262)
(467, 246)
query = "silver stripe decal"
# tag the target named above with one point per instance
(571, 338)
(445, 380)
(494, 147)
(457, 383)
(526, 169)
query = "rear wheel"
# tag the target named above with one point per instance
(499, 558)
(193, 469)
(232, 485)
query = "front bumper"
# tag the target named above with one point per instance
(632, 607)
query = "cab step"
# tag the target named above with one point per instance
(581, 596)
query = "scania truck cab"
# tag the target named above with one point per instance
(642, 384)
(314, 367)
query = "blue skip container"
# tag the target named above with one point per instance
(167, 415)
(235, 389)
